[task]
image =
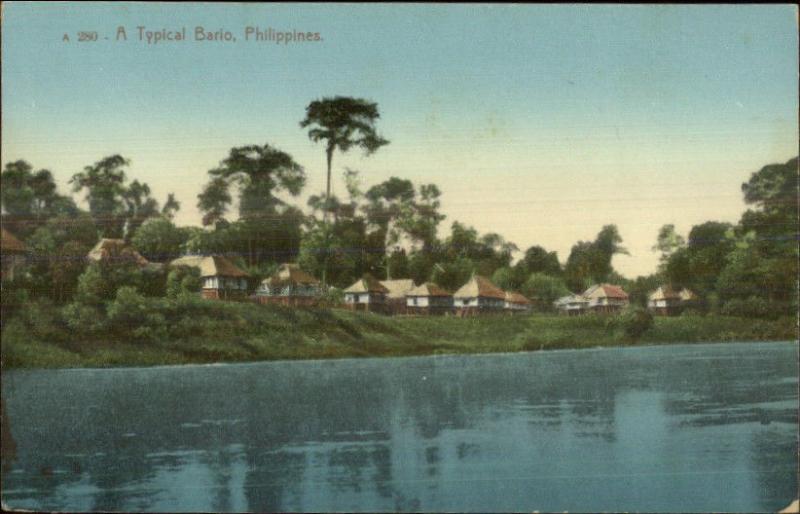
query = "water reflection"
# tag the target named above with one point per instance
(680, 428)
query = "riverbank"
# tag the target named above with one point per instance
(205, 332)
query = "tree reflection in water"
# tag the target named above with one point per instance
(630, 429)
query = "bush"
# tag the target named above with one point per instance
(84, 319)
(92, 287)
(332, 297)
(752, 307)
(182, 281)
(635, 321)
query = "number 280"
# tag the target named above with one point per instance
(87, 36)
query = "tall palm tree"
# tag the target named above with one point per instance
(342, 123)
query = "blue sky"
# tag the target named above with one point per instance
(542, 123)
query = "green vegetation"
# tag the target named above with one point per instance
(62, 310)
(141, 331)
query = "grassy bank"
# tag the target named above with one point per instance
(202, 332)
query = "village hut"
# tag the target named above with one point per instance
(289, 285)
(478, 295)
(606, 298)
(571, 305)
(666, 301)
(396, 297)
(366, 294)
(12, 254)
(428, 298)
(115, 252)
(516, 303)
(222, 279)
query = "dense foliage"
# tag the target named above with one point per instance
(390, 230)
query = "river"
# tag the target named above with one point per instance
(667, 428)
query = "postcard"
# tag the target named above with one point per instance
(399, 257)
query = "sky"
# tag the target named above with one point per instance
(539, 122)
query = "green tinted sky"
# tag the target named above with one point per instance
(542, 123)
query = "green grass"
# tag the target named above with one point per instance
(204, 332)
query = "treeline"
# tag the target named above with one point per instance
(390, 230)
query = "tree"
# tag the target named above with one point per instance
(668, 242)
(539, 260)
(139, 206)
(544, 289)
(266, 223)
(118, 209)
(104, 183)
(342, 123)
(451, 275)
(590, 262)
(29, 198)
(214, 200)
(159, 240)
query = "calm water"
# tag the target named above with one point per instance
(673, 428)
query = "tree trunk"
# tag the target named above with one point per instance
(329, 155)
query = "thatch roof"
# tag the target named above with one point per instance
(513, 297)
(687, 295)
(116, 250)
(210, 265)
(606, 291)
(290, 274)
(367, 284)
(9, 243)
(428, 289)
(398, 288)
(480, 286)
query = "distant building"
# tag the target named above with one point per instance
(571, 305)
(12, 254)
(366, 294)
(222, 279)
(478, 295)
(428, 298)
(606, 298)
(666, 301)
(116, 251)
(396, 296)
(289, 285)
(515, 303)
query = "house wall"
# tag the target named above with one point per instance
(288, 290)
(372, 302)
(429, 305)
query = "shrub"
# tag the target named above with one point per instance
(332, 297)
(635, 321)
(84, 319)
(128, 308)
(183, 280)
(92, 287)
(752, 307)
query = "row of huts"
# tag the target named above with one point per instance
(609, 299)
(291, 286)
(478, 295)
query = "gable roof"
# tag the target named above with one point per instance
(116, 250)
(480, 286)
(513, 297)
(290, 273)
(428, 289)
(210, 265)
(606, 291)
(664, 293)
(367, 284)
(9, 243)
(398, 288)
